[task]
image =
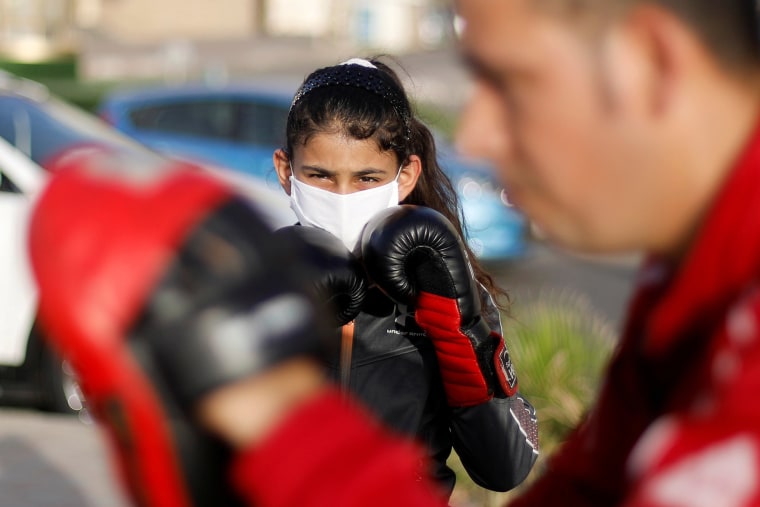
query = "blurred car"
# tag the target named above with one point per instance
(494, 229)
(30, 372)
(235, 126)
(35, 128)
(239, 126)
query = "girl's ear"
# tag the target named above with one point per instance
(407, 178)
(282, 166)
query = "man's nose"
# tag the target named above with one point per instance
(483, 130)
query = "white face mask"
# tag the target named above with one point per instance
(344, 215)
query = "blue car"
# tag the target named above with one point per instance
(239, 126)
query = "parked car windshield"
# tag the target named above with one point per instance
(251, 122)
(41, 130)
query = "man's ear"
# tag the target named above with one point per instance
(282, 166)
(407, 178)
(644, 57)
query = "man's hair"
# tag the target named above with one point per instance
(728, 28)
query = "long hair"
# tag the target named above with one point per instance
(380, 111)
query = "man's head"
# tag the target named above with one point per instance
(612, 122)
(727, 28)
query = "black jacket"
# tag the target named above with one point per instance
(394, 371)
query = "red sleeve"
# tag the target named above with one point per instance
(694, 462)
(708, 453)
(329, 452)
(589, 469)
(704, 451)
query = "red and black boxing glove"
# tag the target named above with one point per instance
(159, 285)
(416, 256)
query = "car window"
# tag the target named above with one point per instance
(208, 118)
(262, 124)
(6, 184)
(42, 130)
(242, 121)
(14, 123)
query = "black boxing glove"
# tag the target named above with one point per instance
(164, 286)
(417, 257)
(338, 279)
(241, 302)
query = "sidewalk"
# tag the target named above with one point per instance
(54, 460)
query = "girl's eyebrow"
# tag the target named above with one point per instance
(369, 171)
(317, 169)
(361, 172)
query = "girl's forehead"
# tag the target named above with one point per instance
(336, 152)
(337, 144)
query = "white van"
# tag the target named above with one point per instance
(35, 128)
(29, 372)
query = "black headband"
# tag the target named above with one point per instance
(366, 77)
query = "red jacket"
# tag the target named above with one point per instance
(677, 423)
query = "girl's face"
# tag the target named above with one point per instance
(343, 165)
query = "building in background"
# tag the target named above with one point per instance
(148, 21)
(183, 39)
(34, 29)
(37, 30)
(391, 25)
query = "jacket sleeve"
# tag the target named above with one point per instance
(589, 469)
(693, 462)
(707, 451)
(329, 452)
(497, 441)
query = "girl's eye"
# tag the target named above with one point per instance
(369, 179)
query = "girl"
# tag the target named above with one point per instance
(354, 148)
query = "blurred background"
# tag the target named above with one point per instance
(210, 82)
(102, 41)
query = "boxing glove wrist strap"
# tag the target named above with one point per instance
(474, 362)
